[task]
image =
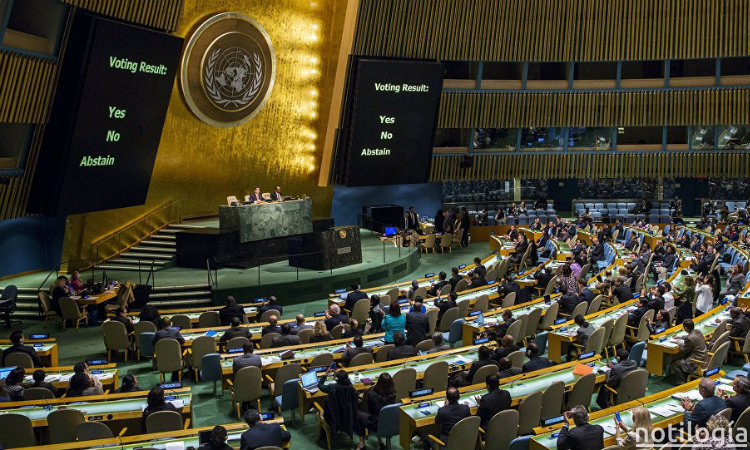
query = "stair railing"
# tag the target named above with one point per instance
(131, 234)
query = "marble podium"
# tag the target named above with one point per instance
(267, 220)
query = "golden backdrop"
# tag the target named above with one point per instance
(200, 165)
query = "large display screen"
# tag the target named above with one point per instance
(112, 97)
(393, 113)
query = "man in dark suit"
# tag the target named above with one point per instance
(507, 369)
(439, 345)
(400, 348)
(505, 348)
(272, 326)
(300, 324)
(451, 413)
(494, 401)
(536, 362)
(634, 318)
(121, 315)
(334, 317)
(584, 436)
(586, 294)
(16, 338)
(231, 309)
(350, 352)
(247, 358)
(412, 219)
(465, 223)
(262, 434)
(479, 268)
(235, 330)
(168, 332)
(277, 196)
(353, 296)
(417, 324)
(507, 321)
(434, 290)
(256, 197)
(286, 339)
(740, 401)
(508, 285)
(444, 304)
(696, 415)
(568, 300)
(455, 278)
(615, 375)
(270, 303)
(485, 359)
(621, 290)
(740, 324)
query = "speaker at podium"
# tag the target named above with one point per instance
(326, 249)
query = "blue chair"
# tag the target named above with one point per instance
(211, 369)
(388, 423)
(520, 443)
(541, 342)
(638, 353)
(455, 332)
(146, 344)
(288, 400)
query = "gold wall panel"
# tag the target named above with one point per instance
(200, 165)
(594, 109)
(25, 87)
(492, 167)
(161, 14)
(553, 30)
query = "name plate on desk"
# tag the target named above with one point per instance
(344, 250)
(267, 220)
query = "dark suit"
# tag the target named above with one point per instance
(285, 341)
(246, 360)
(169, 333)
(476, 365)
(568, 303)
(256, 198)
(18, 348)
(623, 293)
(614, 378)
(401, 351)
(738, 403)
(587, 295)
(585, 437)
(235, 332)
(277, 196)
(262, 435)
(265, 308)
(125, 321)
(352, 298)
(335, 320)
(449, 415)
(536, 363)
(417, 327)
(703, 410)
(513, 371)
(740, 327)
(435, 289)
(351, 352)
(270, 329)
(501, 352)
(492, 403)
(226, 313)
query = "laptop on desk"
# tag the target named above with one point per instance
(310, 381)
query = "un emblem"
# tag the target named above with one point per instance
(228, 70)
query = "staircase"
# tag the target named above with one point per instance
(157, 250)
(185, 296)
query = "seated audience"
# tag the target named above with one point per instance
(286, 339)
(437, 339)
(640, 435)
(260, 434)
(382, 394)
(351, 329)
(506, 368)
(692, 347)
(334, 317)
(660, 323)
(81, 385)
(13, 384)
(502, 328)
(272, 327)
(494, 401)
(269, 304)
(444, 304)
(484, 359)
(39, 376)
(615, 376)
(696, 415)
(568, 301)
(300, 324)
(536, 361)
(17, 345)
(246, 359)
(218, 440)
(320, 333)
(435, 288)
(417, 325)
(401, 348)
(167, 331)
(740, 401)
(149, 313)
(584, 436)
(235, 330)
(155, 402)
(129, 383)
(506, 347)
(121, 315)
(342, 400)
(231, 309)
(451, 413)
(353, 297)
(350, 352)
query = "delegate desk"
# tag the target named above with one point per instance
(531, 235)
(161, 441)
(303, 354)
(564, 334)
(458, 359)
(251, 311)
(255, 330)
(60, 376)
(95, 299)
(665, 408)
(470, 328)
(421, 412)
(651, 239)
(501, 245)
(116, 410)
(664, 344)
(267, 220)
(46, 349)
